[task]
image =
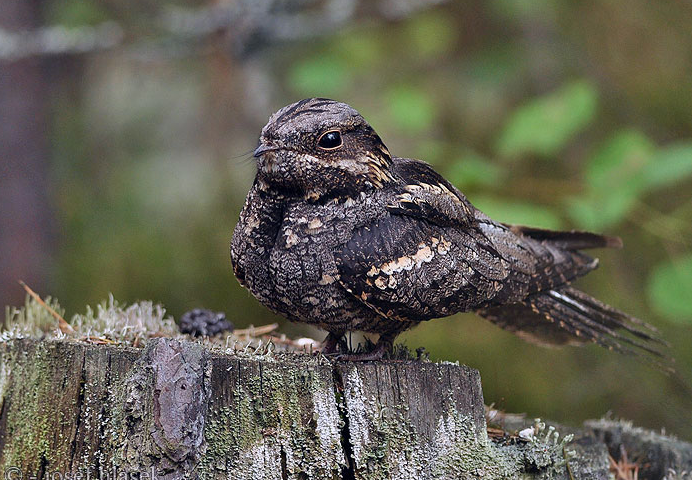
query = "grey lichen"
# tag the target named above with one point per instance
(455, 452)
(387, 443)
(262, 414)
(281, 421)
(544, 452)
(32, 320)
(657, 453)
(113, 322)
(124, 323)
(110, 322)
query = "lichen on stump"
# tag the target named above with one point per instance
(180, 409)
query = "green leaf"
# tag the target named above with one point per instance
(668, 166)
(544, 125)
(669, 288)
(619, 160)
(623, 169)
(321, 76)
(473, 169)
(411, 109)
(519, 213)
(602, 210)
(613, 180)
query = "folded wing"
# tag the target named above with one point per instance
(434, 254)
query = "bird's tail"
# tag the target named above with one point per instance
(566, 315)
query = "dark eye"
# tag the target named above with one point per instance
(330, 140)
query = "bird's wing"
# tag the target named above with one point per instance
(571, 240)
(425, 194)
(410, 269)
(427, 257)
(434, 254)
(551, 261)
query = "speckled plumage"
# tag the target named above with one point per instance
(351, 238)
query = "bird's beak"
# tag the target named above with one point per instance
(264, 148)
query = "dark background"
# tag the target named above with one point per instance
(127, 127)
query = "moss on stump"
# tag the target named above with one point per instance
(175, 409)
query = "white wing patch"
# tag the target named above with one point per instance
(384, 273)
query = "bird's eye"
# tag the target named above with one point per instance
(329, 140)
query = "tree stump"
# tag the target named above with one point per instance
(177, 410)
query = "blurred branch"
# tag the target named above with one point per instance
(58, 40)
(246, 24)
(665, 226)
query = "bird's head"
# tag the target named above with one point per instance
(318, 148)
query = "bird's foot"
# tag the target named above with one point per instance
(383, 347)
(331, 343)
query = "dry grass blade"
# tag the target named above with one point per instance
(62, 324)
(496, 433)
(300, 343)
(569, 469)
(256, 331)
(97, 340)
(623, 469)
(497, 416)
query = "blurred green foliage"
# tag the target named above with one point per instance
(410, 108)
(669, 289)
(544, 125)
(329, 75)
(611, 181)
(519, 213)
(554, 114)
(76, 13)
(624, 170)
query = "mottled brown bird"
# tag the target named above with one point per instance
(337, 233)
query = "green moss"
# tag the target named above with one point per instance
(33, 422)
(267, 413)
(387, 445)
(278, 419)
(458, 450)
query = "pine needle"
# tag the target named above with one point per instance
(64, 327)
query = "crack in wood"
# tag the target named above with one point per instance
(78, 408)
(348, 470)
(278, 417)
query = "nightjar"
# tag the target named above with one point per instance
(338, 233)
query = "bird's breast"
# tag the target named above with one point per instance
(303, 263)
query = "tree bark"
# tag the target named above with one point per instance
(177, 410)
